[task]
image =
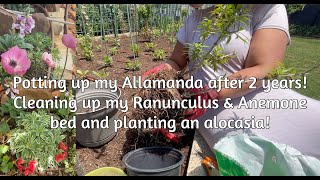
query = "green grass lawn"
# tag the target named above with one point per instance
(302, 54)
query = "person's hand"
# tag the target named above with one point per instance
(154, 70)
(205, 94)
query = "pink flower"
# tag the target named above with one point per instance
(62, 156)
(31, 168)
(47, 58)
(19, 164)
(30, 24)
(25, 25)
(10, 90)
(62, 146)
(15, 26)
(69, 41)
(20, 17)
(15, 61)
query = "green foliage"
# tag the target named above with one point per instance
(281, 72)
(133, 65)
(156, 33)
(8, 41)
(116, 42)
(114, 50)
(98, 48)
(65, 112)
(144, 14)
(107, 60)
(146, 33)
(225, 20)
(82, 73)
(306, 31)
(9, 109)
(184, 12)
(217, 57)
(135, 49)
(70, 162)
(4, 128)
(292, 8)
(5, 165)
(40, 41)
(150, 46)
(20, 7)
(159, 54)
(38, 68)
(101, 74)
(55, 54)
(85, 45)
(172, 40)
(33, 139)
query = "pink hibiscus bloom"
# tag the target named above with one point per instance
(69, 41)
(15, 61)
(47, 58)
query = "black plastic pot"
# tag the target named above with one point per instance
(95, 137)
(153, 161)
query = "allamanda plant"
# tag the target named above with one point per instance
(225, 20)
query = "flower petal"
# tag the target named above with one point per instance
(62, 146)
(20, 56)
(20, 17)
(69, 41)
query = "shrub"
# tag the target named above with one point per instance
(307, 31)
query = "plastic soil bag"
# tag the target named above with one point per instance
(249, 154)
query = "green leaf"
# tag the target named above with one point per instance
(4, 128)
(10, 165)
(3, 149)
(5, 159)
(4, 169)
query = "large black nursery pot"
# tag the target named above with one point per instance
(154, 161)
(95, 137)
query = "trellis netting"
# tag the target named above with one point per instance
(105, 19)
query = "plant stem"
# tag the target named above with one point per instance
(65, 64)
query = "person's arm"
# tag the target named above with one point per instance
(178, 59)
(267, 50)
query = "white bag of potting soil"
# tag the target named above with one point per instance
(249, 154)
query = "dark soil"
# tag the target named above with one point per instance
(127, 140)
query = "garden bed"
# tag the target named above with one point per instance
(111, 154)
